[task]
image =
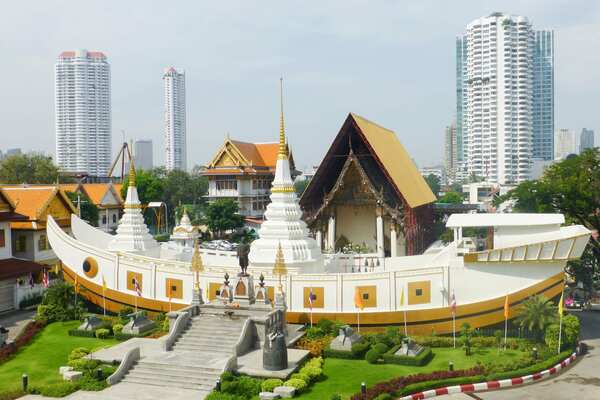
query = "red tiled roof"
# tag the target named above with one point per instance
(14, 267)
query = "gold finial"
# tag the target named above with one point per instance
(131, 173)
(197, 265)
(282, 155)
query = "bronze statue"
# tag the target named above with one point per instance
(242, 252)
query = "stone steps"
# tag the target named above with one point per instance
(172, 375)
(202, 390)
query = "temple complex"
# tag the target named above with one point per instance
(368, 193)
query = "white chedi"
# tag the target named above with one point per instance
(185, 233)
(132, 233)
(283, 224)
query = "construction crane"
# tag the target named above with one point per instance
(125, 151)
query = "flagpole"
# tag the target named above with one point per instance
(405, 329)
(454, 329)
(505, 330)
(559, 333)
(358, 319)
(104, 301)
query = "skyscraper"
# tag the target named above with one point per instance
(543, 95)
(450, 153)
(586, 140)
(83, 115)
(564, 143)
(175, 140)
(142, 151)
(495, 96)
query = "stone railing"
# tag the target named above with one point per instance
(132, 356)
(178, 321)
(247, 339)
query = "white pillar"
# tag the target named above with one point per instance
(319, 238)
(380, 251)
(331, 233)
(393, 241)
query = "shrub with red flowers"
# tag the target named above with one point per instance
(29, 332)
(397, 384)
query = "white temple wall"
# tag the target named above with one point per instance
(357, 224)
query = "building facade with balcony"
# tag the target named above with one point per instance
(244, 171)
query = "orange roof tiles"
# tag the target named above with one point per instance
(259, 154)
(118, 187)
(30, 201)
(96, 191)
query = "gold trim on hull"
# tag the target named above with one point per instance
(426, 321)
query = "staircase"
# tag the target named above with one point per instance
(196, 359)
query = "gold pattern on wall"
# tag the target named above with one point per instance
(90, 267)
(57, 209)
(318, 297)
(174, 288)
(213, 290)
(136, 275)
(419, 292)
(369, 295)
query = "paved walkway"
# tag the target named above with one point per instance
(581, 381)
(127, 391)
(15, 321)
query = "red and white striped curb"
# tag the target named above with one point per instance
(491, 385)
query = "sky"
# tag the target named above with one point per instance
(392, 62)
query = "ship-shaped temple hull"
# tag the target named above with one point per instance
(525, 255)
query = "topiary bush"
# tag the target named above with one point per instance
(297, 384)
(381, 347)
(312, 372)
(327, 326)
(570, 333)
(78, 353)
(269, 384)
(84, 365)
(384, 396)
(60, 389)
(224, 396)
(372, 356)
(300, 375)
(102, 333)
(241, 385)
(359, 349)
(117, 328)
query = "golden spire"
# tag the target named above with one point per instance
(197, 265)
(282, 155)
(279, 268)
(131, 173)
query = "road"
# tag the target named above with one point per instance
(581, 381)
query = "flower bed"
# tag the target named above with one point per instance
(28, 333)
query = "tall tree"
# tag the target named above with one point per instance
(222, 215)
(451, 198)
(89, 211)
(28, 168)
(434, 183)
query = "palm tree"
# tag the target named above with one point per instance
(536, 313)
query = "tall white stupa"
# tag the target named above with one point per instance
(283, 224)
(132, 233)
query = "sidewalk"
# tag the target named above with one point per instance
(15, 321)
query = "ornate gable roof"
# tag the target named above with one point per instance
(382, 160)
(248, 157)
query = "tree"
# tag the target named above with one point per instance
(222, 215)
(570, 187)
(28, 168)
(89, 211)
(535, 314)
(434, 183)
(451, 198)
(300, 186)
(466, 334)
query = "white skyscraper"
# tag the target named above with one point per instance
(565, 143)
(175, 141)
(83, 115)
(142, 151)
(495, 84)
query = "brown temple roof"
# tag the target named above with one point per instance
(380, 157)
(15, 267)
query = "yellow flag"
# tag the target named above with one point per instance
(560, 304)
(358, 301)
(56, 269)
(103, 284)
(402, 297)
(506, 307)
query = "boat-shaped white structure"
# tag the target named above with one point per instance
(525, 255)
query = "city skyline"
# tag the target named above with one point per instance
(234, 89)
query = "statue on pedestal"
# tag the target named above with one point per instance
(242, 253)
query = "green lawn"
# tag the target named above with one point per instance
(41, 358)
(345, 376)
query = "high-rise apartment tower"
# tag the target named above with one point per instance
(175, 121)
(83, 115)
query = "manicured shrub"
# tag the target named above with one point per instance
(343, 354)
(570, 333)
(78, 353)
(297, 384)
(316, 346)
(102, 333)
(384, 396)
(57, 304)
(124, 312)
(312, 372)
(300, 375)
(82, 333)
(359, 349)
(84, 364)
(372, 356)
(381, 347)
(314, 332)
(547, 363)
(315, 362)
(117, 328)
(60, 389)
(91, 384)
(269, 384)
(326, 326)
(223, 396)
(421, 359)
(242, 386)
(434, 384)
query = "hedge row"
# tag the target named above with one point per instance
(82, 333)
(549, 363)
(120, 336)
(343, 354)
(421, 359)
(423, 386)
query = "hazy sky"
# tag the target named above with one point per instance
(390, 61)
